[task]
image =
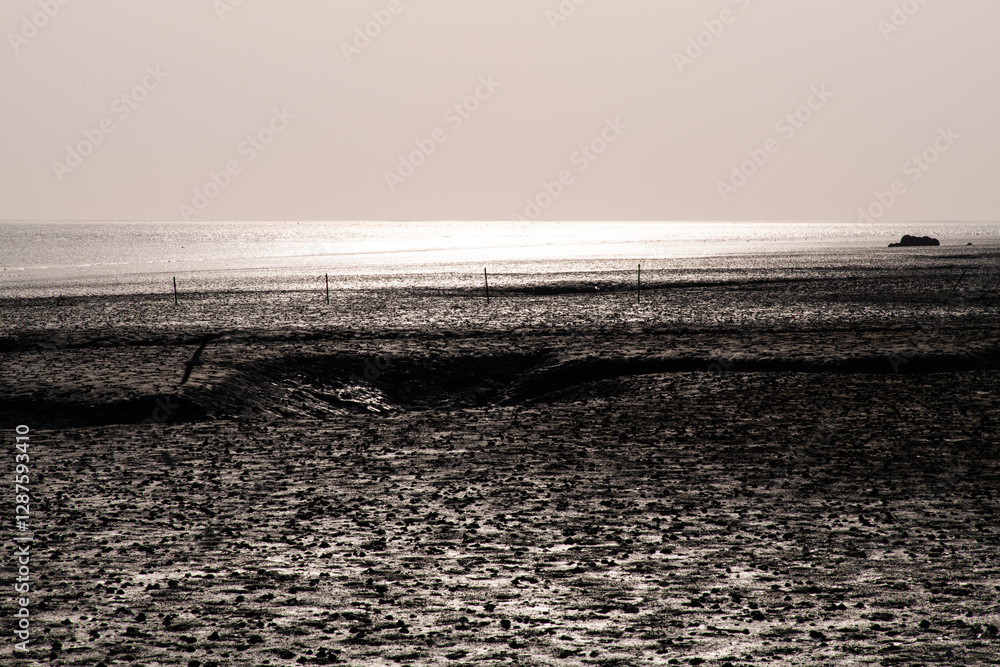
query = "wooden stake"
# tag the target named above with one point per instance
(959, 280)
(327, 287)
(638, 285)
(175, 290)
(486, 280)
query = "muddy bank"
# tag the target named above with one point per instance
(777, 474)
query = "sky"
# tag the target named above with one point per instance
(210, 110)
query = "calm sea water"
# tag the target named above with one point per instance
(80, 258)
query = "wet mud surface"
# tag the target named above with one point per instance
(570, 489)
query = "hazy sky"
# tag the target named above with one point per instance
(122, 109)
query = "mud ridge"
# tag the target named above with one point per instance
(325, 386)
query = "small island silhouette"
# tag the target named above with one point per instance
(910, 241)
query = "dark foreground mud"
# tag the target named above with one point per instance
(756, 522)
(589, 491)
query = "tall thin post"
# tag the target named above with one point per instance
(175, 290)
(486, 280)
(327, 275)
(959, 280)
(638, 285)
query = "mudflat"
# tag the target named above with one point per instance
(772, 472)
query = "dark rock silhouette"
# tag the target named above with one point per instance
(910, 241)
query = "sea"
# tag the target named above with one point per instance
(41, 259)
